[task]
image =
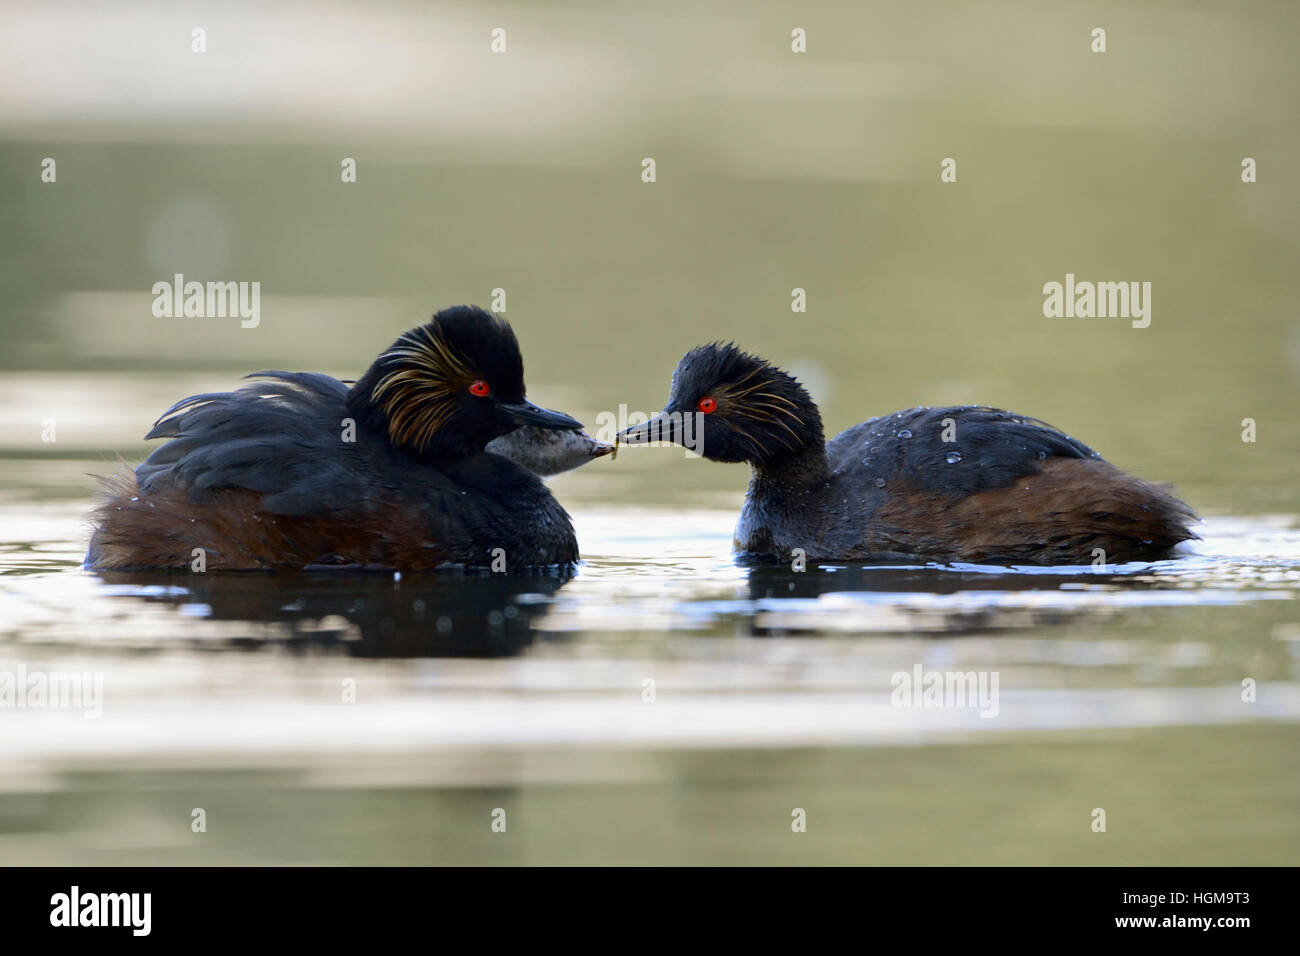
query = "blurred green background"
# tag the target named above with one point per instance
(522, 170)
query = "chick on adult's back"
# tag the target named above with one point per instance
(298, 470)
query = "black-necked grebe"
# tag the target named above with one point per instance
(958, 484)
(298, 470)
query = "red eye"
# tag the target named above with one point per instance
(480, 388)
(706, 405)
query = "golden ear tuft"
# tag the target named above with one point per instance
(767, 407)
(419, 393)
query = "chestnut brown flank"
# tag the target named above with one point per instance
(1059, 515)
(162, 529)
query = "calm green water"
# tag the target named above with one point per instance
(1117, 689)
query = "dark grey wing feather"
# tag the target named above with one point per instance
(280, 436)
(991, 449)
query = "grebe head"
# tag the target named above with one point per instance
(448, 387)
(728, 405)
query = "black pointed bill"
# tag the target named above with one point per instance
(526, 413)
(658, 428)
(679, 428)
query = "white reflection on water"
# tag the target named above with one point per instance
(294, 731)
(241, 674)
